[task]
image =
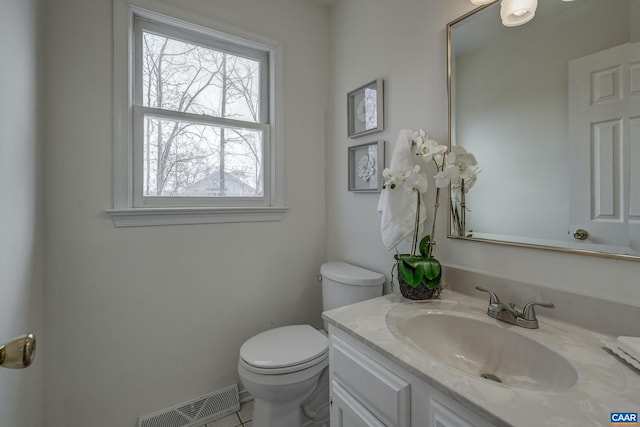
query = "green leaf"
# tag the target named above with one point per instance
(398, 257)
(405, 272)
(415, 270)
(432, 273)
(425, 243)
(430, 284)
(410, 275)
(432, 269)
(412, 261)
(418, 273)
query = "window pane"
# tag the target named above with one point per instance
(185, 77)
(195, 160)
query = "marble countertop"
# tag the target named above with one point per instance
(605, 383)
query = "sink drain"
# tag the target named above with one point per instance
(491, 377)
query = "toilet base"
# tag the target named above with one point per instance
(304, 403)
(268, 414)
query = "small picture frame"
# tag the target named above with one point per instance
(365, 109)
(366, 162)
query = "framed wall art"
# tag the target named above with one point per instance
(365, 109)
(366, 162)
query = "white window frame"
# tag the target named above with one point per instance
(129, 207)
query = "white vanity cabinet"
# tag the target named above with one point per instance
(369, 390)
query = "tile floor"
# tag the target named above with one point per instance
(242, 418)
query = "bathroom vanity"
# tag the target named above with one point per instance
(368, 389)
(445, 363)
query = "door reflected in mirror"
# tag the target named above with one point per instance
(551, 110)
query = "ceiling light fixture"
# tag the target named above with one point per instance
(514, 12)
(517, 12)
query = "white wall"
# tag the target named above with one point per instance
(143, 318)
(21, 395)
(404, 42)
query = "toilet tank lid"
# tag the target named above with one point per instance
(349, 274)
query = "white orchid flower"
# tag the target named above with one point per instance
(441, 180)
(419, 136)
(460, 157)
(468, 171)
(391, 178)
(411, 180)
(458, 149)
(467, 165)
(470, 176)
(445, 176)
(386, 174)
(468, 183)
(426, 147)
(452, 157)
(417, 181)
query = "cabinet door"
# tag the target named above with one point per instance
(346, 411)
(442, 416)
(381, 391)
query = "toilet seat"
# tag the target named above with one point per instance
(288, 370)
(284, 350)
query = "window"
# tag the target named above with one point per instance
(196, 141)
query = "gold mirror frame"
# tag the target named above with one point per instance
(450, 234)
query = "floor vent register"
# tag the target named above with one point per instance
(196, 412)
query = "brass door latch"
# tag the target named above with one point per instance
(19, 352)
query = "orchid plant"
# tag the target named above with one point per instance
(455, 167)
(460, 186)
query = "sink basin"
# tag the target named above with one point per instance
(483, 348)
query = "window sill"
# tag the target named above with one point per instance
(142, 217)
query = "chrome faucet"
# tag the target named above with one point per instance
(510, 313)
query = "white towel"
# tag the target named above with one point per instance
(627, 348)
(630, 345)
(398, 205)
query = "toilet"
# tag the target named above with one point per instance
(285, 369)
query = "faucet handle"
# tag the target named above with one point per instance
(528, 312)
(493, 298)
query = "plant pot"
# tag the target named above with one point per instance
(420, 292)
(421, 271)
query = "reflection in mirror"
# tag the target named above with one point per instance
(551, 110)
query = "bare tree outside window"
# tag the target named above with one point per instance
(195, 159)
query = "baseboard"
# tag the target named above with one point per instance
(245, 396)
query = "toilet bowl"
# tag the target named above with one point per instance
(285, 369)
(281, 369)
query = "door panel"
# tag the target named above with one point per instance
(604, 133)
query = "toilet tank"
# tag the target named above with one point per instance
(344, 284)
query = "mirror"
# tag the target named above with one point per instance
(551, 111)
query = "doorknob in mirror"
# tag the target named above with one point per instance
(581, 234)
(19, 352)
